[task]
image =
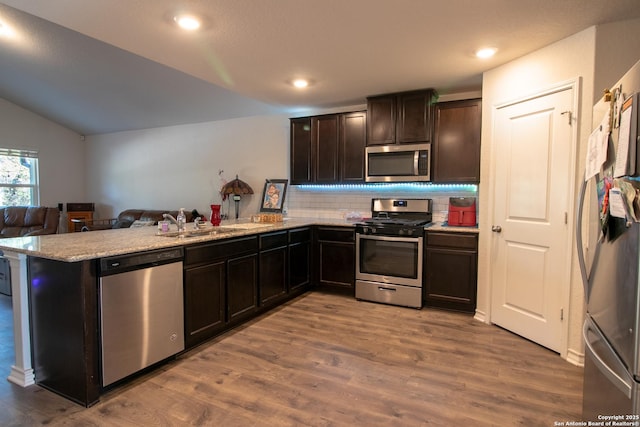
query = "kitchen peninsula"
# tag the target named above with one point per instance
(70, 264)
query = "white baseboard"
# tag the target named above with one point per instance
(480, 316)
(22, 377)
(575, 358)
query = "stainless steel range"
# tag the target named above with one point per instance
(389, 257)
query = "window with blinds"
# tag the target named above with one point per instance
(18, 177)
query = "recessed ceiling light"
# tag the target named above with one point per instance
(5, 31)
(187, 22)
(486, 52)
(300, 83)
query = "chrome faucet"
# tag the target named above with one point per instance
(196, 222)
(173, 220)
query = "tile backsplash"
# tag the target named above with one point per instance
(342, 201)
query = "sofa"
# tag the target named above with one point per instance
(23, 221)
(128, 218)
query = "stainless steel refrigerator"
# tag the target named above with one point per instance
(610, 267)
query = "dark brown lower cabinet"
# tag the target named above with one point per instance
(299, 259)
(450, 274)
(204, 288)
(220, 286)
(229, 281)
(242, 287)
(63, 298)
(335, 256)
(273, 267)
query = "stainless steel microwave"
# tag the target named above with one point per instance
(398, 163)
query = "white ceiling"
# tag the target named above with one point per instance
(110, 65)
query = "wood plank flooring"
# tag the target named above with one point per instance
(329, 360)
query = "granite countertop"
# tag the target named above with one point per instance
(72, 247)
(443, 226)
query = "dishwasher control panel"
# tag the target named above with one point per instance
(121, 263)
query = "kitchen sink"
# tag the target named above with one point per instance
(224, 229)
(195, 233)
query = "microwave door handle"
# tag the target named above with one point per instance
(416, 162)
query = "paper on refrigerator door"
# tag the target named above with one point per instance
(597, 148)
(630, 196)
(616, 204)
(622, 166)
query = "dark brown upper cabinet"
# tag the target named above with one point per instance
(456, 143)
(301, 150)
(325, 141)
(353, 139)
(328, 149)
(381, 129)
(401, 118)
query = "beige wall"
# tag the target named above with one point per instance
(617, 49)
(587, 56)
(61, 152)
(177, 166)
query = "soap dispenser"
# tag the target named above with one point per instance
(181, 219)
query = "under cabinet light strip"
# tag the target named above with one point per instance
(406, 186)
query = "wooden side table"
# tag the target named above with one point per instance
(78, 214)
(75, 220)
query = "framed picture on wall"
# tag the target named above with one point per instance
(273, 195)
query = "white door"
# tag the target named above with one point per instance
(531, 246)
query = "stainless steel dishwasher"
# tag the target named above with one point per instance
(141, 311)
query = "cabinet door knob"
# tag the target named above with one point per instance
(496, 229)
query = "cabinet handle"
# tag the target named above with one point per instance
(496, 229)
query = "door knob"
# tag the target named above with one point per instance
(496, 229)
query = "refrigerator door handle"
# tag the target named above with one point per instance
(607, 371)
(581, 259)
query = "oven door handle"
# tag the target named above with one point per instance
(382, 288)
(360, 236)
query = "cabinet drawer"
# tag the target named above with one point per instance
(225, 249)
(299, 235)
(273, 240)
(452, 240)
(336, 234)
